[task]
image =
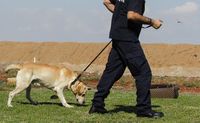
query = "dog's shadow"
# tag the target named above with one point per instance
(52, 103)
(127, 109)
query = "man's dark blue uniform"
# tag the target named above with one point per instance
(126, 52)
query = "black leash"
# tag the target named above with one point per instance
(146, 27)
(78, 77)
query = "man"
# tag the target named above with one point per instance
(126, 51)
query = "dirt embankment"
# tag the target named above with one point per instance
(165, 60)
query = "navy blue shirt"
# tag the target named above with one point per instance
(121, 28)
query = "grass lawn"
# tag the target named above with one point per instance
(185, 109)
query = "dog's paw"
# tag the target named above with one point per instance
(69, 106)
(10, 106)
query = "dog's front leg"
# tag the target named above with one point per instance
(62, 98)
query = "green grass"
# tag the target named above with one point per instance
(185, 109)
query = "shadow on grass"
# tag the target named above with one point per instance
(122, 108)
(52, 103)
(127, 109)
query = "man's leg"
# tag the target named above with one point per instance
(113, 71)
(140, 69)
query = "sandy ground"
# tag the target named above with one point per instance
(164, 59)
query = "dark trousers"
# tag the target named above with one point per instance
(126, 54)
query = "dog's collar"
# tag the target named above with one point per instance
(73, 83)
(75, 80)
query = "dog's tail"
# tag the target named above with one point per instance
(13, 66)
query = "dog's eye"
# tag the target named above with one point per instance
(83, 95)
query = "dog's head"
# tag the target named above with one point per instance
(80, 89)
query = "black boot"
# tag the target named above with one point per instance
(100, 110)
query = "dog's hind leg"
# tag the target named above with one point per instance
(28, 96)
(17, 90)
(62, 98)
(22, 82)
(12, 94)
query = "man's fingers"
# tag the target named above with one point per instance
(159, 26)
(161, 21)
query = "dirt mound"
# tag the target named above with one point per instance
(73, 53)
(179, 60)
(163, 55)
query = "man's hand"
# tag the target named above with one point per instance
(156, 24)
(135, 17)
(109, 5)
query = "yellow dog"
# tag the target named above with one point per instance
(52, 77)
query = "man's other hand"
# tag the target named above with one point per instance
(156, 24)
